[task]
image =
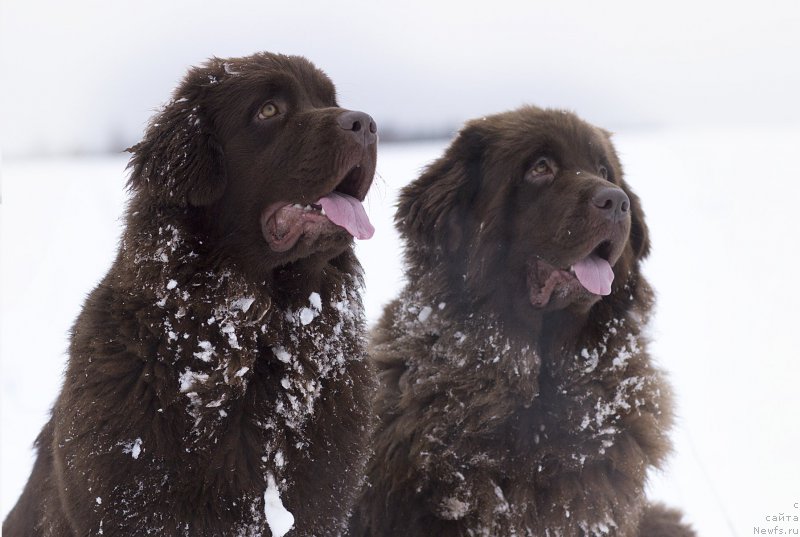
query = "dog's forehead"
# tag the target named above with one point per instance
(532, 132)
(572, 138)
(267, 68)
(565, 131)
(302, 70)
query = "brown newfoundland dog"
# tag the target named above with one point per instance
(217, 381)
(517, 397)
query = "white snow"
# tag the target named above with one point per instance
(134, 448)
(279, 519)
(424, 313)
(229, 329)
(137, 448)
(188, 379)
(502, 504)
(229, 69)
(307, 315)
(243, 304)
(721, 207)
(453, 509)
(282, 354)
(207, 351)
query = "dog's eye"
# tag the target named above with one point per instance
(268, 110)
(543, 168)
(603, 172)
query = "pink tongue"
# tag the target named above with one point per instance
(347, 212)
(595, 274)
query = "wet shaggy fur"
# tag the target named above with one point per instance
(206, 367)
(512, 401)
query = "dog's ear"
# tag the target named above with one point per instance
(180, 161)
(434, 209)
(640, 236)
(630, 291)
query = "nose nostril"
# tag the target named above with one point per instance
(612, 202)
(360, 127)
(604, 204)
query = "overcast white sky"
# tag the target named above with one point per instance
(84, 75)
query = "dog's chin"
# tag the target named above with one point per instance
(321, 247)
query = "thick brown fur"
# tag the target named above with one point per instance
(207, 367)
(506, 409)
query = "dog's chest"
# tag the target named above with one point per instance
(269, 366)
(306, 348)
(250, 388)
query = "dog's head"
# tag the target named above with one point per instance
(257, 150)
(529, 213)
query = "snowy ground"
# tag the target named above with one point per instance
(722, 209)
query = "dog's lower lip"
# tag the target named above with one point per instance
(546, 279)
(281, 238)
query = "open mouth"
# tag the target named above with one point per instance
(354, 183)
(592, 273)
(283, 223)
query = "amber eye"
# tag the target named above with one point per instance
(543, 169)
(268, 110)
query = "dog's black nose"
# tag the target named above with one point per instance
(361, 125)
(612, 202)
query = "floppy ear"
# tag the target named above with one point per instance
(433, 209)
(640, 236)
(179, 160)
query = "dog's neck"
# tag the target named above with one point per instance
(544, 331)
(470, 340)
